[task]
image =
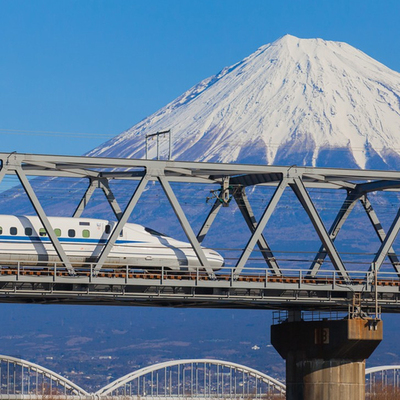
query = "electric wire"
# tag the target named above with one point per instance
(362, 149)
(5, 131)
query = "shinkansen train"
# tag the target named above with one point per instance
(23, 238)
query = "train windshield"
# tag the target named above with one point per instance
(153, 232)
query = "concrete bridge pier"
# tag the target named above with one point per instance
(325, 360)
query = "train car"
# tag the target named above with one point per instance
(23, 239)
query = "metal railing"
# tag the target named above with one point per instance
(299, 276)
(281, 316)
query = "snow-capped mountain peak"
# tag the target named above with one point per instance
(293, 101)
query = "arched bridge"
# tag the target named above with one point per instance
(198, 378)
(383, 382)
(20, 379)
(194, 378)
(177, 379)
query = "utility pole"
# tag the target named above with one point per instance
(157, 135)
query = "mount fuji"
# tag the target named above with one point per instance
(293, 101)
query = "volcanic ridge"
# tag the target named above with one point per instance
(293, 101)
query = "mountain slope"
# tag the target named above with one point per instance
(291, 102)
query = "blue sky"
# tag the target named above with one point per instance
(74, 73)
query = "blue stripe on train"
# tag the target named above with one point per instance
(38, 239)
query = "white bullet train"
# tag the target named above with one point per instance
(23, 238)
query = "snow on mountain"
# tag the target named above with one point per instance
(292, 101)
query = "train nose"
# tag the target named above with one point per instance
(216, 260)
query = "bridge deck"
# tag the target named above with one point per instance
(253, 288)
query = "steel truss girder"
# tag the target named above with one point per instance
(85, 198)
(3, 173)
(244, 206)
(95, 183)
(379, 231)
(255, 237)
(351, 200)
(100, 170)
(105, 187)
(43, 218)
(378, 185)
(121, 223)
(192, 170)
(344, 212)
(209, 220)
(386, 244)
(247, 212)
(305, 199)
(185, 223)
(71, 171)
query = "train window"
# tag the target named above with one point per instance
(28, 231)
(86, 233)
(1, 230)
(108, 229)
(122, 233)
(13, 230)
(71, 232)
(153, 232)
(42, 232)
(57, 231)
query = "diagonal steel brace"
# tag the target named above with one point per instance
(387, 243)
(185, 224)
(101, 183)
(85, 198)
(255, 237)
(209, 220)
(347, 206)
(44, 220)
(3, 172)
(379, 231)
(105, 187)
(120, 224)
(305, 199)
(243, 203)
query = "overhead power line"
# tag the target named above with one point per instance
(56, 133)
(272, 145)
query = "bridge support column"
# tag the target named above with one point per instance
(325, 360)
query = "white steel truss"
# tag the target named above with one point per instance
(233, 180)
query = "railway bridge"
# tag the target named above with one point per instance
(360, 284)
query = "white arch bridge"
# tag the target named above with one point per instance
(171, 380)
(178, 379)
(383, 382)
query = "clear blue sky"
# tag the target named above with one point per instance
(91, 69)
